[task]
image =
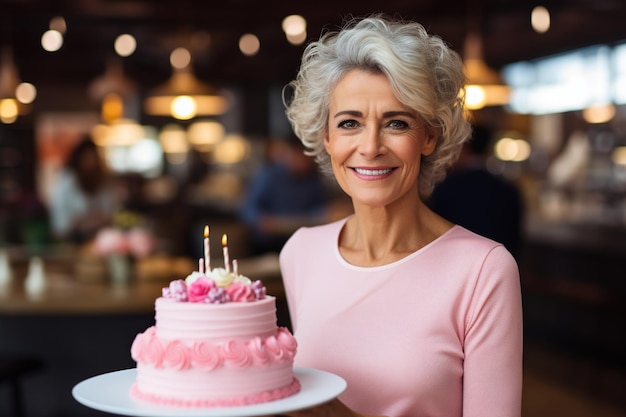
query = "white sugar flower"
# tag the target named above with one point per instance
(243, 279)
(222, 277)
(192, 277)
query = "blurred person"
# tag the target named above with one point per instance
(479, 200)
(84, 197)
(419, 315)
(287, 192)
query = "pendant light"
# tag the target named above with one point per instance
(183, 96)
(14, 95)
(114, 91)
(485, 86)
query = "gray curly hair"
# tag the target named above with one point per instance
(424, 73)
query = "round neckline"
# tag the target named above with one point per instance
(393, 264)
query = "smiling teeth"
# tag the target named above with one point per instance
(372, 172)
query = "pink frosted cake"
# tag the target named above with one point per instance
(215, 343)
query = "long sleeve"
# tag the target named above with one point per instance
(492, 370)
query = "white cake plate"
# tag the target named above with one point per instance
(110, 393)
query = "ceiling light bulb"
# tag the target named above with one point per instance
(183, 108)
(540, 19)
(8, 110)
(25, 93)
(249, 44)
(180, 58)
(294, 25)
(125, 45)
(475, 97)
(52, 40)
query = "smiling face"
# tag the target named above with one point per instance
(374, 141)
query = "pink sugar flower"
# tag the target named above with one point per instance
(259, 289)
(199, 289)
(177, 290)
(217, 295)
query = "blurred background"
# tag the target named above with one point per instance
(127, 126)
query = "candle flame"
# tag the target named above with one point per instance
(224, 240)
(206, 231)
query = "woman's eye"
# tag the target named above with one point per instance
(348, 124)
(398, 124)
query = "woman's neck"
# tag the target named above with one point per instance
(376, 236)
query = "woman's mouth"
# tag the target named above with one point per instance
(370, 173)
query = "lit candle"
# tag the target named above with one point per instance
(201, 265)
(207, 250)
(226, 261)
(235, 268)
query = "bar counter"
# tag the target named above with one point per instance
(66, 293)
(64, 296)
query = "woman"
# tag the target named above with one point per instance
(421, 317)
(84, 199)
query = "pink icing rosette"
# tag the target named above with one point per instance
(154, 351)
(205, 356)
(286, 340)
(139, 346)
(240, 292)
(276, 349)
(259, 351)
(199, 289)
(176, 355)
(236, 355)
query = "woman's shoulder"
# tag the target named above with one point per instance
(472, 244)
(462, 235)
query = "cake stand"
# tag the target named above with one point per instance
(110, 393)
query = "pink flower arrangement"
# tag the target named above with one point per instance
(136, 242)
(204, 290)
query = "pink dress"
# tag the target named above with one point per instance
(437, 333)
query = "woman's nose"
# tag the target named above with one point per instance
(371, 143)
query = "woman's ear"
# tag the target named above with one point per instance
(326, 141)
(432, 135)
